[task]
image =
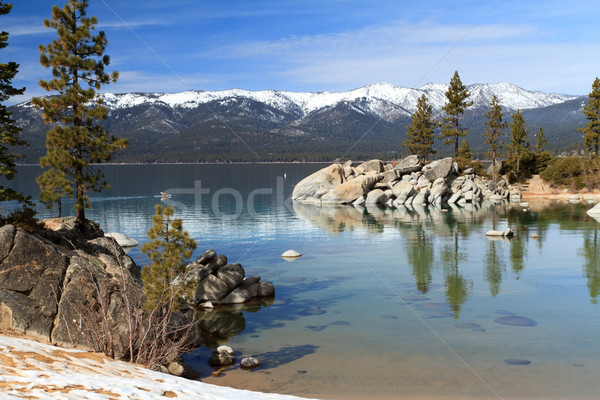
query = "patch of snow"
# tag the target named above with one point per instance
(42, 371)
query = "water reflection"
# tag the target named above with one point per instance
(591, 267)
(420, 227)
(457, 287)
(215, 327)
(419, 252)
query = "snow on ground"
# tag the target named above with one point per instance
(33, 370)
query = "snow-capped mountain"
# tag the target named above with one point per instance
(382, 99)
(224, 125)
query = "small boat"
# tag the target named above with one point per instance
(164, 196)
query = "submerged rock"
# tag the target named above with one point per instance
(218, 359)
(250, 363)
(515, 320)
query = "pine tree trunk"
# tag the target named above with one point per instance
(494, 165)
(456, 147)
(59, 204)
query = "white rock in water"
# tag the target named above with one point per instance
(225, 349)
(506, 233)
(524, 204)
(122, 240)
(594, 210)
(291, 253)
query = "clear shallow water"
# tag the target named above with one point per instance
(385, 303)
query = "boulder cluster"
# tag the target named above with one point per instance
(55, 283)
(63, 285)
(217, 282)
(408, 182)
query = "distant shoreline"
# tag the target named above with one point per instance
(211, 163)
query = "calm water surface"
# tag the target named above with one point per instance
(399, 303)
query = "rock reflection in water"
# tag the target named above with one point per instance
(215, 327)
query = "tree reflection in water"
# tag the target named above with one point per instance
(216, 326)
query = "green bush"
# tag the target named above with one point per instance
(24, 219)
(575, 172)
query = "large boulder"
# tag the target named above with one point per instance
(376, 196)
(326, 178)
(61, 282)
(371, 167)
(408, 165)
(351, 190)
(438, 169)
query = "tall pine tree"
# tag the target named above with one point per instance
(591, 131)
(420, 135)
(76, 140)
(9, 131)
(518, 144)
(540, 141)
(493, 132)
(457, 95)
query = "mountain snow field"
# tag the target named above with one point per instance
(377, 98)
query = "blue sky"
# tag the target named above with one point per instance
(309, 45)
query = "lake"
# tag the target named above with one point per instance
(384, 303)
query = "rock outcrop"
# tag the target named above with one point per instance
(55, 282)
(218, 283)
(408, 182)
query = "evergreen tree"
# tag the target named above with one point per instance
(540, 141)
(457, 95)
(170, 249)
(420, 136)
(9, 131)
(591, 131)
(464, 151)
(54, 185)
(493, 132)
(76, 140)
(518, 144)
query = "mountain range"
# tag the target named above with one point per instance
(242, 125)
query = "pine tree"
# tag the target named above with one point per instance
(170, 249)
(541, 157)
(77, 60)
(591, 131)
(518, 144)
(493, 131)
(420, 136)
(464, 151)
(457, 95)
(540, 141)
(9, 131)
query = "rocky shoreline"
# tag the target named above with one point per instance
(69, 288)
(408, 182)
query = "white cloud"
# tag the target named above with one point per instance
(412, 54)
(370, 41)
(140, 81)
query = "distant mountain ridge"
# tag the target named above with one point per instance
(510, 96)
(285, 126)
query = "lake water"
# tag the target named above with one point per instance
(412, 303)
